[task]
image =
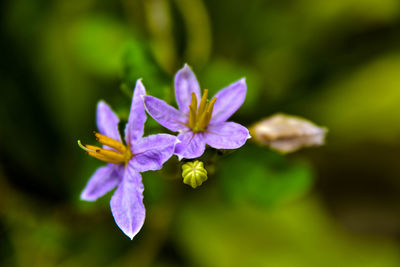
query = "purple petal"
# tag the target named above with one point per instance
(185, 84)
(191, 145)
(165, 115)
(137, 117)
(228, 101)
(226, 135)
(127, 203)
(151, 152)
(107, 121)
(103, 180)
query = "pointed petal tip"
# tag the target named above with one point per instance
(101, 103)
(242, 82)
(139, 83)
(186, 69)
(127, 203)
(85, 197)
(131, 235)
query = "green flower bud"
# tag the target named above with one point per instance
(194, 173)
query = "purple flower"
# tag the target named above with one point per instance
(126, 162)
(199, 121)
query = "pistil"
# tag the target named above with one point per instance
(199, 118)
(119, 155)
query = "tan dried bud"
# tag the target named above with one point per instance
(286, 133)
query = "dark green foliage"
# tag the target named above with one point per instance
(256, 175)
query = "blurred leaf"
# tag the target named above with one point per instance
(336, 9)
(254, 174)
(198, 28)
(281, 68)
(138, 63)
(154, 185)
(363, 105)
(300, 234)
(158, 14)
(98, 43)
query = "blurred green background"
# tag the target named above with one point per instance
(335, 62)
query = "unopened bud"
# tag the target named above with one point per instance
(194, 173)
(286, 133)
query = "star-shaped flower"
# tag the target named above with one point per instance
(126, 162)
(199, 121)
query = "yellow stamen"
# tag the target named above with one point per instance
(202, 121)
(211, 105)
(85, 148)
(103, 158)
(120, 156)
(210, 108)
(92, 148)
(200, 118)
(192, 111)
(110, 154)
(108, 141)
(203, 102)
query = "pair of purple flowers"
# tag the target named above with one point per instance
(198, 121)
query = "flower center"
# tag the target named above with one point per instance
(120, 155)
(200, 117)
